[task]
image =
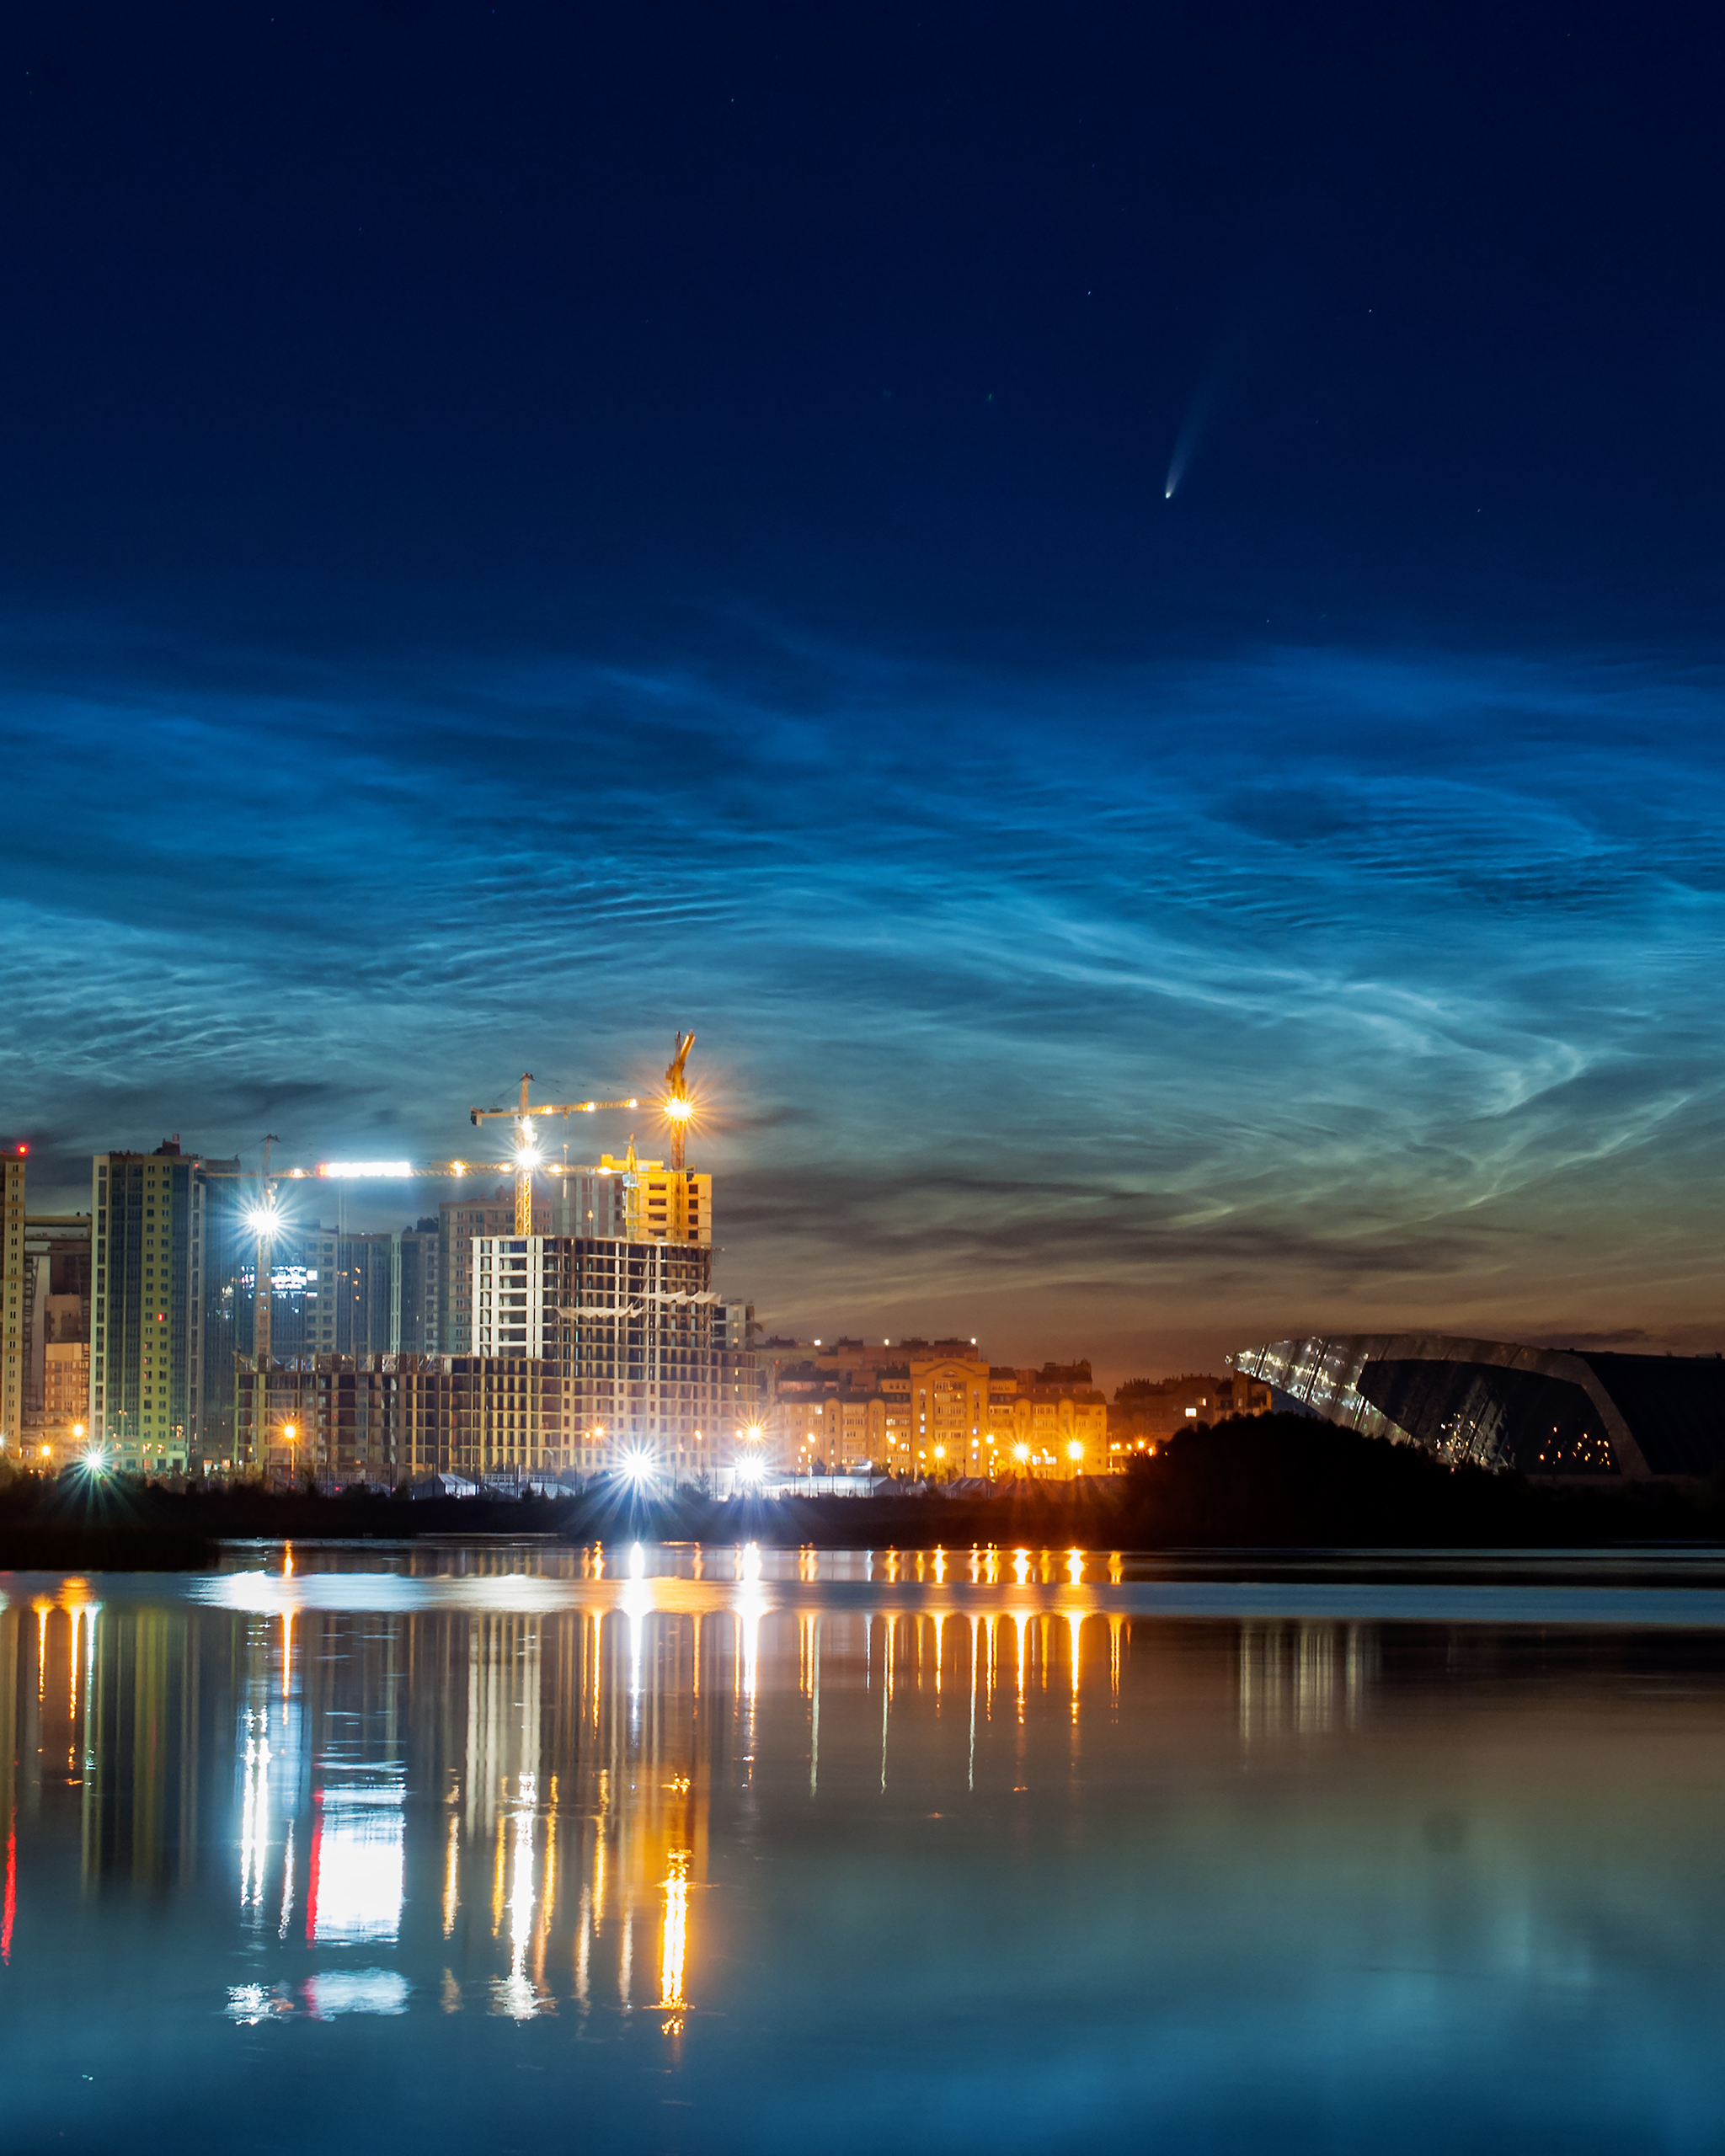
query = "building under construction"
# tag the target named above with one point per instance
(579, 1330)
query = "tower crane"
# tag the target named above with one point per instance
(263, 1225)
(679, 1108)
(264, 1218)
(527, 1155)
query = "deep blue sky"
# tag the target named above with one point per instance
(522, 527)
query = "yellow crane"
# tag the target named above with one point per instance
(679, 1108)
(528, 1153)
(265, 1218)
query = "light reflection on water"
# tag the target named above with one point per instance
(719, 1848)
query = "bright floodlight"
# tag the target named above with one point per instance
(678, 1109)
(754, 1433)
(1075, 1450)
(751, 1470)
(1021, 1452)
(262, 1219)
(528, 1156)
(637, 1468)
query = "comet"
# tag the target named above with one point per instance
(1190, 435)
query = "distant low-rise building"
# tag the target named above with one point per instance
(1146, 1412)
(929, 1409)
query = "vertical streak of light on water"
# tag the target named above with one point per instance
(584, 1945)
(814, 1714)
(886, 1696)
(549, 1896)
(473, 1774)
(453, 1875)
(1022, 1622)
(975, 1644)
(287, 1869)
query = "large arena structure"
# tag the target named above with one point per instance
(1544, 1412)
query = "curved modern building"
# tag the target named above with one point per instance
(1557, 1412)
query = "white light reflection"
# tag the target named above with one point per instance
(356, 1991)
(514, 1994)
(751, 1605)
(358, 1860)
(253, 1819)
(287, 1883)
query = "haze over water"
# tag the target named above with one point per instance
(682, 1850)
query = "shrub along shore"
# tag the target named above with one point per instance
(1272, 1482)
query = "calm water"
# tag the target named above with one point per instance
(530, 1849)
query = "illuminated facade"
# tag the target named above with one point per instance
(936, 1409)
(1542, 1412)
(633, 1331)
(158, 1393)
(12, 1300)
(460, 1222)
(56, 1336)
(385, 1420)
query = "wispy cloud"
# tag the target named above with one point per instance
(1175, 1002)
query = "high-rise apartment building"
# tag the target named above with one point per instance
(460, 1222)
(161, 1224)
(631, 1328)
(56, 1335)
(12, 1300)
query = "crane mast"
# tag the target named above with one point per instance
(679, 1108)
(527, 1155)
(264, 1268)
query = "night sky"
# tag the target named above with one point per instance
(1120, 606)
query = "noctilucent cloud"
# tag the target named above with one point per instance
(523, 534)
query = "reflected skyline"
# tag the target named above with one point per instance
(557, 1765)
(746, 1823)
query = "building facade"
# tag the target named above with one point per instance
(633, 1333)
(160, 1394)
(56, 1336)
(930, 1410)
(386, 1420)
(12, 1300)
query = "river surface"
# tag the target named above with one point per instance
(525, 1848)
